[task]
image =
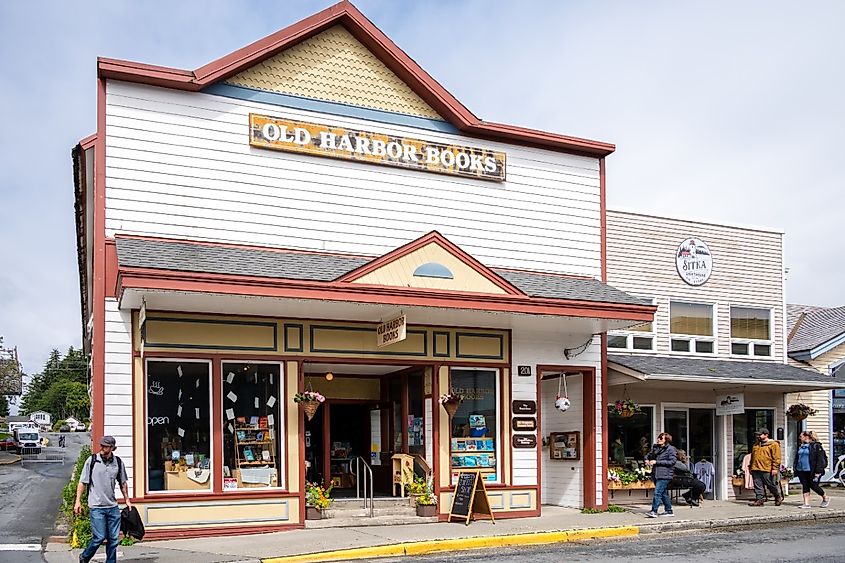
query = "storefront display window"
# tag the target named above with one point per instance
(178, 425)
(252, 413)
(692, 327)
(838, 424)
(750, 332)
(474, 440)
(631, 437)
(745, 425)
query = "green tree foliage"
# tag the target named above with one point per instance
(4, 405)
(10, 371)
(61, 388)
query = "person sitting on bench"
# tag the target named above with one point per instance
(684, 479)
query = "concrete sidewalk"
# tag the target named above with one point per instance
(556, 525)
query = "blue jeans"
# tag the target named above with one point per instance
(105, 525)
(661, 493)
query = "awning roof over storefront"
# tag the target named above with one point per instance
(149, 264)
(718, 372)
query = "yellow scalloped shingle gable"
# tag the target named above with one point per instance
(335, 67)
(400, 273)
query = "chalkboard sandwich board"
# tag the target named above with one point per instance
(469, 498)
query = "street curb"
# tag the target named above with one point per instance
(14, 459)
(682, 525)
(460, 544)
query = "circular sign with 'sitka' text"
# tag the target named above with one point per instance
(694, 261)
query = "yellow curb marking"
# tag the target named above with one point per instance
(423, 547)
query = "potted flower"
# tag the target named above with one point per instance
(624, 408)
(785, 475)
(427, 502)
(317, 498)
(738, 478)
(415, 489)
(451, 402)
(309, 401)
(800, 411)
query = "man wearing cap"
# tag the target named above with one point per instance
(100, 473)
(765, 466)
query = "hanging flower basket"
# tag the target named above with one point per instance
(309, 401)
(451, 402)
(625, 408)
(800, 411)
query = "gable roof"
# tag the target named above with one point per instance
(255, 262)
(814, 330)
(345, 14)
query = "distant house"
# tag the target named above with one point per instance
(41, 418)
(19, 421)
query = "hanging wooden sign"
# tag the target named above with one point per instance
(524, 407)
(470, 498)
(524, 441)
(524, 423)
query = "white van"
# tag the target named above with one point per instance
(27, 440)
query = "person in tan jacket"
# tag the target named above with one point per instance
(765, 467)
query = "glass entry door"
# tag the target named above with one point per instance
(694, 431)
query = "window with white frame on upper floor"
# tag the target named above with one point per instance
(751, 332)
(691, 326)
(635, 338)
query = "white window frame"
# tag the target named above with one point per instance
(752, 343)
(631, 334)
(693, 339)
(500, 447)
(211, 482)
(281, 424)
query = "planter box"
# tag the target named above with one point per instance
(638, 486)
(427, 510)
(312, 513)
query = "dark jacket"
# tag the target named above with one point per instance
(131, 524)
(818, 461)
(684, 479)
(665, 458)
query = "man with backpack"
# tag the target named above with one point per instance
(100, 473)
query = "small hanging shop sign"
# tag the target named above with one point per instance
(392, 331)
(524, 407)
(524, 423)
(377, 148)
(524, 441)
(733, 403)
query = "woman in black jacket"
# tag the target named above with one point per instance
(810, 464)
(684, 479)
(662, 459)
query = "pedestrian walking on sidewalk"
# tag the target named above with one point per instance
(765, 468)
(100, 473)
(810, 464)
(662, 458)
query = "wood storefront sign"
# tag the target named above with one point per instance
(377, 148)
(470, 498)
(389, 332)
(524, 423)
(524, 407)
(524, 441)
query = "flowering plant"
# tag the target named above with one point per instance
(317, 495)
(623, 407)
(625, 477)
(800, 411)
(417, 487)
(786, 473)
(426, 497)
(450, 398)
(308, 396)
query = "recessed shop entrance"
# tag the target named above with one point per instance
(370, 413)
(694, 431)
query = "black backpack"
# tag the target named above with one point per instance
(822, 454)
(94, 460)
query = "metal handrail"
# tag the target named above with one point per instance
(368, 479)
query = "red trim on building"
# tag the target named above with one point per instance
(216, 531)
(344, 13)
(98, 353)
(602, 461)
(436, 238)
(111, 268)
(88, 142)
(168, 280)
(590, 463)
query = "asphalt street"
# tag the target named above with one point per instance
(819, 543)
(30, 497)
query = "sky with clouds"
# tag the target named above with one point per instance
(721, 111)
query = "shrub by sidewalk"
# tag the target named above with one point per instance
(79, 526)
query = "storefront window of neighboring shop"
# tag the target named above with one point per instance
(252, 414)
(745, 426)
(630, 437)
(474, 438)
(751, 332)
(838, 423)
(178, 425)
(691, 326)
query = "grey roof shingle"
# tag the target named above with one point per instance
(312, 266)
(727, 369)
(817, 326)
